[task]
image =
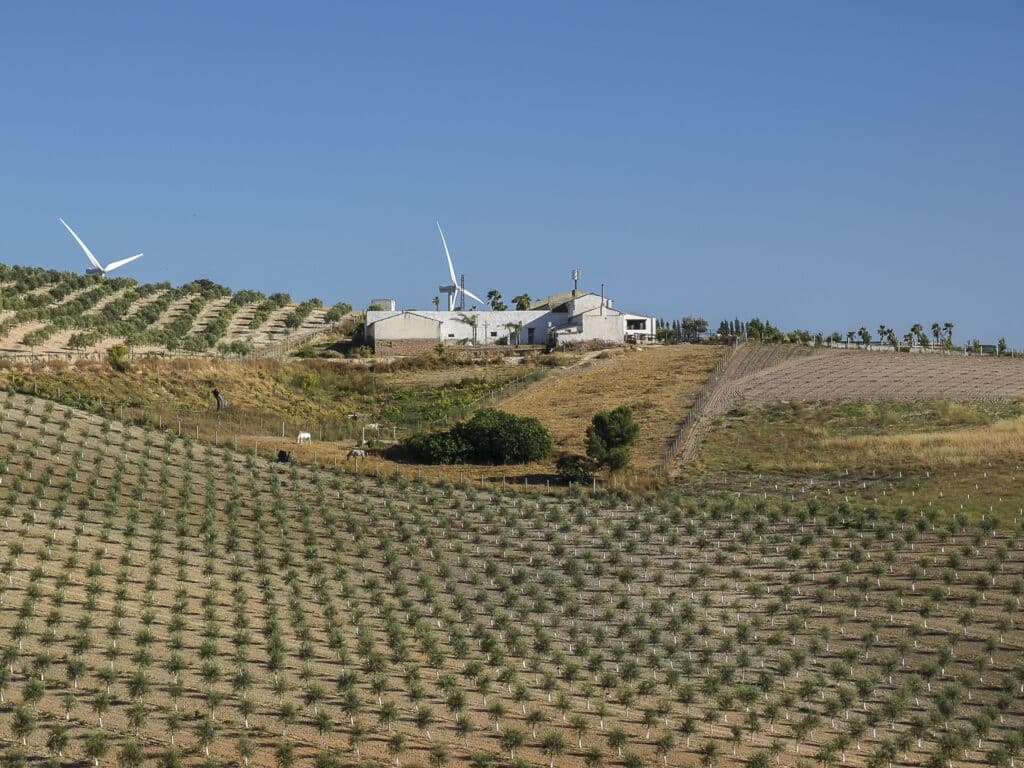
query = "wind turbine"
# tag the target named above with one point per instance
(97, 268)
(455, 288)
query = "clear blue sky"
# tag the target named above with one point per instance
(820, 164)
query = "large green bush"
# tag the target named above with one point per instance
(497, 437)
(490, 437)
(435, 448)
(573, 468)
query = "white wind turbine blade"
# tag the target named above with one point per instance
(115, 264)
(472, 296)
(451, 267)
(84, 246)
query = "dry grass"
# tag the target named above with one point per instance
(1001, 441)
(800, 438)
(658, 382)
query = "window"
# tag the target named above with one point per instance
(494, 333)
(636, 325)
(451, 335)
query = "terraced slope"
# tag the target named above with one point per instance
(858, 375)
(770, 373)
(165, 600)
(61, 313)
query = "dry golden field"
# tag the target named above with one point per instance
(658, 382)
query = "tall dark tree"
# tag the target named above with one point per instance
(610, 435)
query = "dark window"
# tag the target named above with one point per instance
(636, 325)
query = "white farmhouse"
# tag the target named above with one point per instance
(566, 318)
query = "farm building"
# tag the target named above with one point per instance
(565, 318)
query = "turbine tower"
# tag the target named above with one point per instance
(453, 289)
(97, 268)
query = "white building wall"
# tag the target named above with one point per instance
(401, 325)
(609, 327)
(648, 331)
(584, 321)
(490, 328)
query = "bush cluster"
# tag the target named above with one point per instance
(490, 437)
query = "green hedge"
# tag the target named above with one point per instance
(490, 437)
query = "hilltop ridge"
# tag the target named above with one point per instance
(55, 312)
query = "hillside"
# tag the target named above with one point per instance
(658, 382)
(761, 375)
(165, 600)
(52, 313)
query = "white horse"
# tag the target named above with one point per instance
(304, 437)
(357, 453)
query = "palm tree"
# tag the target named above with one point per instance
(522, 301)
(494, 297)
(918, 332)
(471, 321)
(936, 332)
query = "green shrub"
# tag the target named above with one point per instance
(573, 468)
(501, 438)
(490, 437)
(338, 311)
(433, 448)
(117, 356)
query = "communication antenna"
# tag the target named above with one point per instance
(575, 279)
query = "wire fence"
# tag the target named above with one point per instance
(259, 429)
(699, 403)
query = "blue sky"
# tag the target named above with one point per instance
(822, 165)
